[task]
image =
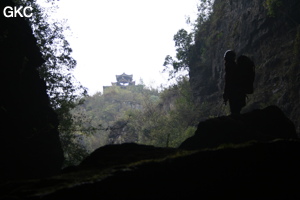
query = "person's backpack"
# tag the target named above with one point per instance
(247, 74)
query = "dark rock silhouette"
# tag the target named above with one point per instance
(115, 155)
(266, 168)
(254, 171)
(260, 171)
(260, 125)
(29, 139)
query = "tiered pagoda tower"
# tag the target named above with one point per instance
(123, 81)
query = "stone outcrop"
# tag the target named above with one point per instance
(257, 171)
(29, 138)
(264, 168)
(258, 125)
(272, 43)
(116, 155)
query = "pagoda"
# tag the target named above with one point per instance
(123, 81)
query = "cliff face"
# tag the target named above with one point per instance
(29, 138)
(272, 42)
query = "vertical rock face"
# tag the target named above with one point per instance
(29, 138)
(272, 42)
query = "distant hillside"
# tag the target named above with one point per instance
(137, 114)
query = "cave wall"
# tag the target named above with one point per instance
(29, 138)
(271, 41)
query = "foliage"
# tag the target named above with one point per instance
(62, 87)
(297, 44)
(272, 6)
(184, 42)
(139, 114)
(182, 116)
(205, 8)
(103, 111)
(145, 116)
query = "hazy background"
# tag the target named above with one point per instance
(111, 37)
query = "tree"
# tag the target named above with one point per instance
(107, 113)
(205, 8)
(62, 87)
(184, 42)
(166, 118)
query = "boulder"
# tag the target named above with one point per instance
(259, 125)
(116, 155)
(254, 171)
(267, 168)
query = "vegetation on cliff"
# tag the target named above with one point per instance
(267, 31)
(30, 143)
(247, 27)
(167, 117)
(137, 114)
(62, 88)
(246, 156)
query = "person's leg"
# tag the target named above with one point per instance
(236, 103)
(235, 108)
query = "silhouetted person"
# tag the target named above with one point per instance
(246, 75)
(233, 91)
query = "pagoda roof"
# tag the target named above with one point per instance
(124, 78)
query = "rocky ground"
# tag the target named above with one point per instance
(247, 169)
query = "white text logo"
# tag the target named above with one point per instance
(14, 11)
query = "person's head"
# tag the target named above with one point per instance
(229, 55)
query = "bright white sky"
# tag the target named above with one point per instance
(110, 37)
